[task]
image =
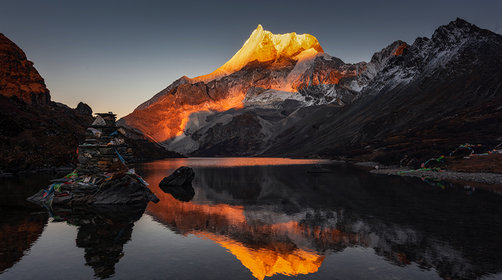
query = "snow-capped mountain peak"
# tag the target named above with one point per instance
(264, 46)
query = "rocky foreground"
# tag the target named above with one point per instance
(74, 190)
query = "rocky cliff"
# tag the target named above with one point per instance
(18, 77)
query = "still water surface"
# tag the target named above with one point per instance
(259, 218)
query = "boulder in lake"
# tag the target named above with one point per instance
(179, 184)
(181, 177)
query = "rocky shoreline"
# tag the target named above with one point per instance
(442, 175)
(486, 178)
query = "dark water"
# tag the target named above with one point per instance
(251, 219)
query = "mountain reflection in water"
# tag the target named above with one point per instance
(281, 220)
(250, 218)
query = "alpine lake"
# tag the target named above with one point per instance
(259, 218)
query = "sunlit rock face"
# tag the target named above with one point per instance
(268, 69)
(18, 77)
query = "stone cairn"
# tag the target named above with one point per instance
(104, 149)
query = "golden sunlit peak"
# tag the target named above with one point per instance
(264, 46)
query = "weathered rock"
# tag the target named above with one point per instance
(18, 77)
(181, 177)
(84, 109)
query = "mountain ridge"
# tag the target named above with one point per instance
(448, 91)
(376, 110)
(291, 76)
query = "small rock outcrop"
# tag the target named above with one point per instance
(83, 108)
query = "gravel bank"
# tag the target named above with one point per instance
(487, 178)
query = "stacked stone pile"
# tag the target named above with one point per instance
(102, 175)
(104, 149)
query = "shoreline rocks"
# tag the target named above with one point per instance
(118, 189)
(486, 178)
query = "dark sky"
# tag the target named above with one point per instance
(114, 55)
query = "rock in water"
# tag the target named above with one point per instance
(179, 184)
(182, 177)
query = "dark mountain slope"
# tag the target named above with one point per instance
(441, 92)
(39, 137)
(18, 77)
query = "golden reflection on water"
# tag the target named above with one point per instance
(217, 222)
(265, 249)
(267, 261)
